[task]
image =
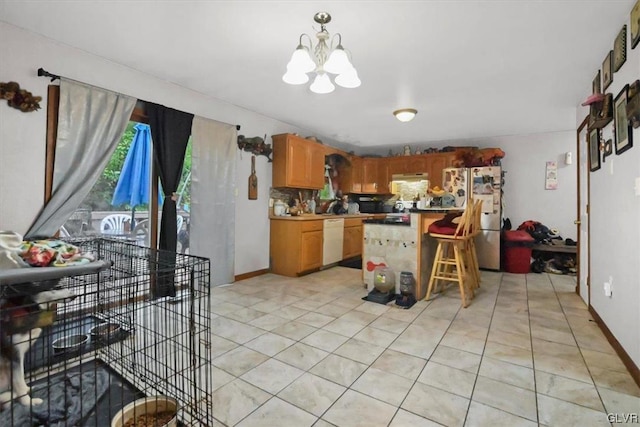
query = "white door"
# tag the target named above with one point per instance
(583, 211)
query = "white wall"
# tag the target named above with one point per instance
(525, 196)
(22, 135)
(615, 220)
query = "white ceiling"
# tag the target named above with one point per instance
(472, 69)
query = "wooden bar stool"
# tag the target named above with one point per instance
(452, 260)
(472, 256)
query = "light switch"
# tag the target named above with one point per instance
(607, 289)
(637, 186)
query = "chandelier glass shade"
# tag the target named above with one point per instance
(322, 60)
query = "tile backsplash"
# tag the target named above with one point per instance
(408, 190)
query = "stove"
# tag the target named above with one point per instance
(398, 218)
(392, 219)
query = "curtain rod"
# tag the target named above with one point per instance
(44, 73)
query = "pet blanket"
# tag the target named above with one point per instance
(67, 400)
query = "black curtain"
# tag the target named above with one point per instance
(170, 131)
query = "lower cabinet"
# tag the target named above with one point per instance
(352, 246)
(295, 246)
(310, 250)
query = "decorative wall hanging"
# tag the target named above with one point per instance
(623, 132)
(596, 86)
(635, 25)
(607, 70)
(594, 150)
(607, 149)
(255, 145)
(253, 180)
(20, 99)
(601, 112)
(633, 104)
(551, 176)
(620, 49)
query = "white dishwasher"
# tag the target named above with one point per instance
(332, 242)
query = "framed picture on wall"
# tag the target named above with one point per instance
(634, 29)
(596, 87)
(594, 150)
(623, 131)
(620, 49)
(607, 70)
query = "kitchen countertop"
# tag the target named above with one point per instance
(436, 210)
(320, 217)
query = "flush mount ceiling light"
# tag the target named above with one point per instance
(326, 59)
(405, 114)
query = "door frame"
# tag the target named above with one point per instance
(578, 224)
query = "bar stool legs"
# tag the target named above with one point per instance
(450, 253)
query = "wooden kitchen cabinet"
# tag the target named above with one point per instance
(352, 181)
(310, 250)
(396, 165)
(436, 162)
(352, 244)
(417, 164)
(370, 176)
(384, 177)
(295, 247)
(297, 162)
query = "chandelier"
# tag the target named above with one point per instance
(325, 59)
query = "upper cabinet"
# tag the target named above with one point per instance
(431, 163)
(297, 162)
(370, 177)
(436, 162)
(352, 175)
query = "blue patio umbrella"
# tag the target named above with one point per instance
(134, 181)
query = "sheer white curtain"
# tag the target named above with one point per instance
(91, 122)
(213, 171)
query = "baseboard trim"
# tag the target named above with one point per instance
(251, 274)
(626, 359)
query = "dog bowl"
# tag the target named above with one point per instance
(70, 343)
(105, 332)
(156, 411)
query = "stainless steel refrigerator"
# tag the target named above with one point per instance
(482, 183)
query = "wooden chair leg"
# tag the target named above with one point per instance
(460, 272)
(476, 266)
(434, 270)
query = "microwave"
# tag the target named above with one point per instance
(370, 206)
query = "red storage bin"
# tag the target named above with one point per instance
(517, 251)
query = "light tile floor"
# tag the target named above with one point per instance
(309, 351)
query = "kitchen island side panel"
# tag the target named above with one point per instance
(402, 248)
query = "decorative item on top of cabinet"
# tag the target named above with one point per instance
(474, 157)
(255, 145)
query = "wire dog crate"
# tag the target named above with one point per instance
(137, 327)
